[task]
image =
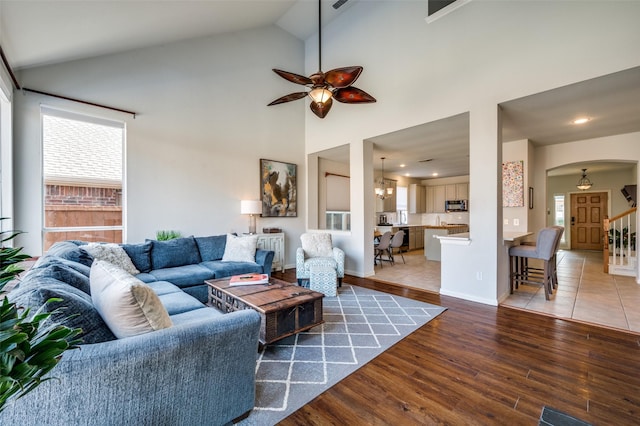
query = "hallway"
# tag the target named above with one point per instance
(585, 293)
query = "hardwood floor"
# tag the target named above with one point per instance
(480, 365)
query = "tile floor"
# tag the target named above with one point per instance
(585, 293)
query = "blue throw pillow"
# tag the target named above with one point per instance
(70, 251)
(46, 261)
(140, 255)
(176, 252)
(62, 273)
(76, 309)
(211, 248)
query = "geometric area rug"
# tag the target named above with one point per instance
(359, 324)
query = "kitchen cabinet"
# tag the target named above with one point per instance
(462, 191)
(450, 191)
(389, 203)
(439, 198)
(435, 196)
(417, 198)
(457, 191)
(435, 199)
(416, 237)
(429, 203)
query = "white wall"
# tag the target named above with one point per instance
(471, 60)
(193, 151)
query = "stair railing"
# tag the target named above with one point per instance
(620, 230)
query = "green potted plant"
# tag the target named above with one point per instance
(167, 235)
(30, 347)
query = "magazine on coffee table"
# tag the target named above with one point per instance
(249, 279)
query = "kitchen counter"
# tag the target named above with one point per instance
(398, 225)
(453, 228)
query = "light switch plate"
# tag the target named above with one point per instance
(516, 222)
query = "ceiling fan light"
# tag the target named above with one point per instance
(320, 95)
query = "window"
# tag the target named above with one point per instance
(82, 170)
(402, 204)
(558, 216)
(6, 171)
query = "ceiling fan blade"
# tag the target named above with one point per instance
(288, 98)
(320, 109)
(294, 78)
(352, 95)
(342, 77)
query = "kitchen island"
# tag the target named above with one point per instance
(433, 233)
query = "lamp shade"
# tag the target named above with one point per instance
(250, 207)
(320, 95)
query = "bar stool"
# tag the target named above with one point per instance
(553, 263)
(545, 248)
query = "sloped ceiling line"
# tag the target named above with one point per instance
(67, 98)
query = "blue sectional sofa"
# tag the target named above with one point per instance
(200, 370)
(188, 262)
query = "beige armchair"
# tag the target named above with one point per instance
(317, 250)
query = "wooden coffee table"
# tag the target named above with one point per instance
(285, 308)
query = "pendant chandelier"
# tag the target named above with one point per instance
(382, 190)
(584, 183)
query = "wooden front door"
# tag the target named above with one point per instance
(587, 211)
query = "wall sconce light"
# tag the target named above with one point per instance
(252, 208)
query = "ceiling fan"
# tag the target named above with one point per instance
(335, 84)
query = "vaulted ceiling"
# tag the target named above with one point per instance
(38, 32)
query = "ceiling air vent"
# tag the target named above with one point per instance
(339, 3)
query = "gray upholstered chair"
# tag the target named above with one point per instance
(546, 245)
(396, 243)
(317, 250)
(383, 247)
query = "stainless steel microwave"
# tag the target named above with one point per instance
(456, 205)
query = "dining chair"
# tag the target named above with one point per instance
(396, 242)
(383, 247)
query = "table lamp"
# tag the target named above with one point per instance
(252, 208)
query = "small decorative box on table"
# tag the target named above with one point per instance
(285, 308)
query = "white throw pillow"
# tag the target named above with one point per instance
(317, 244)
(240, 249)
(127, 305)
(112, 253)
